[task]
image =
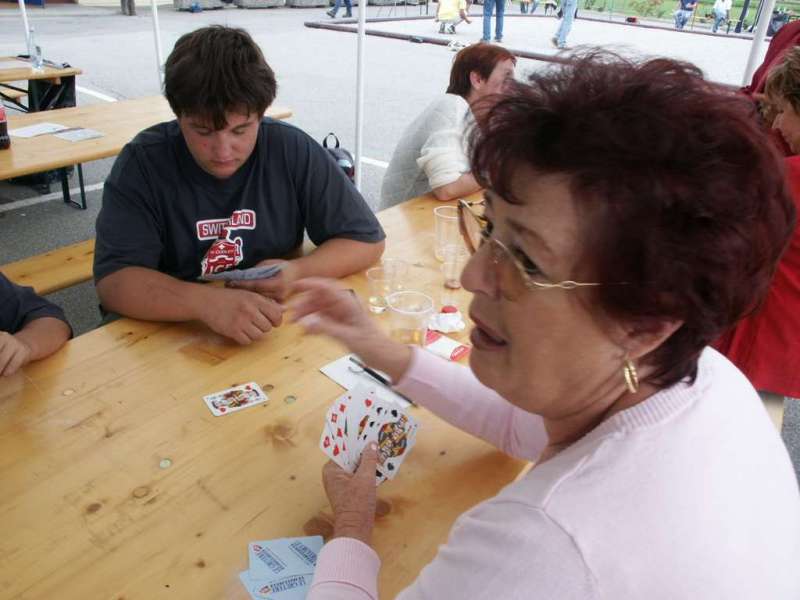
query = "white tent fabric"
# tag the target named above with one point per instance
(362, 22)
(758, 40)
(157, 36)
(24, 14)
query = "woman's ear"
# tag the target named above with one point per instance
(642, 339)
(476, 81)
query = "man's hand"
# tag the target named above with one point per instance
(241, 315)
(277, 287)
(353, 497)
(14, 354)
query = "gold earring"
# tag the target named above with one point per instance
(631, 377)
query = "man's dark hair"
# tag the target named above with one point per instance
(218, 69)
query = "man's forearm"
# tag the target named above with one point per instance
(43, 336)
(338, 257)
(146, 294)
(463, 186)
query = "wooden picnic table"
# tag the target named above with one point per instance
(117, 482)
(16, 69)
(46, 86)
(118, 121)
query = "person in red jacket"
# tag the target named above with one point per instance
(766, 345)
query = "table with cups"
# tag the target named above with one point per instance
(119, 483)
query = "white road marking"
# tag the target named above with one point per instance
(89, 92)
(74, 192)
(374, 163)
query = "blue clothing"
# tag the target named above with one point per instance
(338, 3)
(20, 305)
(568, 9)
(719, 19)
(488, 5)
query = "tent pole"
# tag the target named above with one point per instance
(758, 40)
(157, 36)
(362, 21)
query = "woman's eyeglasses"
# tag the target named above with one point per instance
(513, 277)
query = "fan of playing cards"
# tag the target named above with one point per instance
(281, 569)
(360, 417)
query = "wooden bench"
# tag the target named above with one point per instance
(10, 93)
(54, 270)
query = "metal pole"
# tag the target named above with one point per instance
(157, 36)
(362, 23)
(758, 40)
(24, 14)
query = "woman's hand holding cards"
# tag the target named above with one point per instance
(324, 307)
(353, 496)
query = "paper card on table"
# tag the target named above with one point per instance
(246, 274)
(270, 559)
(38, 129)
(348, 375)
(80, 134)
(235, 399)
(444, 346)
(290, 587)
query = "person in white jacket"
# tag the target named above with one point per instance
(431, 155)
(722, 12)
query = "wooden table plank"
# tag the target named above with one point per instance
(14, 69)
(90, 513)
(119, 121)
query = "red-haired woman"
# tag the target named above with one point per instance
(766, 345)
(614, 246)
(431, 155)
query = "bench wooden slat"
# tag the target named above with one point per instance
(54, 270)
(11, 93)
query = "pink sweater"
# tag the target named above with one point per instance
(688, 495)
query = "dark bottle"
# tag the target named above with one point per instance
(5, 140)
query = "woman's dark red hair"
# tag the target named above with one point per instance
(481, 58)
(683, 195)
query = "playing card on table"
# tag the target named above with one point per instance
(281, 569)
(236, 398)
(360, 417)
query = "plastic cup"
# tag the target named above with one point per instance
(380, 286)
(447, 233)
(397, 270)
(410, 312)
(454, 258)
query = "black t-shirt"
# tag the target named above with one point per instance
(20, 305)
(162, 211)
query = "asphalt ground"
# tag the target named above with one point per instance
(316, 76)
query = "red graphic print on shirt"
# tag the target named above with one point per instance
(227, 251)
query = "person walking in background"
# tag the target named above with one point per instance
(488, 5)
(337, 4)
(722, 12)
(528, 6)
(450, 13)
(568, 9)
(684, 13)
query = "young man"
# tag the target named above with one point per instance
(30, 327)
(222, 187)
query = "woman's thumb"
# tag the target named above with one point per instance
(369, 460)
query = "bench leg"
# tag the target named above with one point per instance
(65, 189)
